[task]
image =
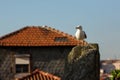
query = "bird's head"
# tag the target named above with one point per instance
(79, 27)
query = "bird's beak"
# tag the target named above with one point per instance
(76, 27)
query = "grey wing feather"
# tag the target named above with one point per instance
(85, 34)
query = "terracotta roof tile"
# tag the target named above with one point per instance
(40, 75)
(38, 36)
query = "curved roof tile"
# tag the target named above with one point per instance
(38, 36)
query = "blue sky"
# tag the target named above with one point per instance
(100, 19)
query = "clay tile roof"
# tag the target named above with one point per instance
(38, 36)
(40, 75)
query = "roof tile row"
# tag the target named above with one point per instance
(40, 75)
(37, 36)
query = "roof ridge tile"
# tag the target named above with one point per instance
(58, 31)
(37, 36)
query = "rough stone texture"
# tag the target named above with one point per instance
(83, 63)
(6, 64)
(48, 59)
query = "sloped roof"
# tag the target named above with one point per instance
(40, 75)
(38, 36)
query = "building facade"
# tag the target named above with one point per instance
(34, 47)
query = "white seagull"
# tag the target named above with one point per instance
(80, 34)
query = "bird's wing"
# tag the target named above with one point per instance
(85, 34)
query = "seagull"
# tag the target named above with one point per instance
(80, 34)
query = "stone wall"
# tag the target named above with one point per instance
(50, 59)
(6, 64)
(83, 63)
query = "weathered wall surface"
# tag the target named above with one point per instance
(6, 64)
(83, 63)
(50, 59)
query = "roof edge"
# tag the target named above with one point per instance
(11, 33)
(46, 27)
(58, 31)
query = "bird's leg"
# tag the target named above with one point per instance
(84, 43)
(81, 43)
